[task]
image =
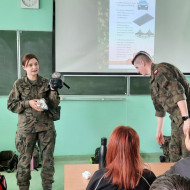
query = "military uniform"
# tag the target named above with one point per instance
(34, 126)
(169, 86)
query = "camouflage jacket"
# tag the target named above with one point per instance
(168, 86)
(30, 120)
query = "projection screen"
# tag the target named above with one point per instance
(102, 36)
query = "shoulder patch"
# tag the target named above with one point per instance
(155, 72)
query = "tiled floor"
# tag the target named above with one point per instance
(59, 171)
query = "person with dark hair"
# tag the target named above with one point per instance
(170, 92)
(35, 122)
(171, 182)
(182, 167)
(124, 167)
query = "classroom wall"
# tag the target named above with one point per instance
(83, 122)
(12, 17)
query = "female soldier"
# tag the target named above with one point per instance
(34, 123)
(124, 168)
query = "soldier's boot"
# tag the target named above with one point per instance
(24, 187)
(47, 187)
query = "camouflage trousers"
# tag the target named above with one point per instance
(25, 143)
(177, 148)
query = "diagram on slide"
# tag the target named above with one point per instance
(142, 5)
(131, 29)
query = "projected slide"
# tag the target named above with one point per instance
(102, 36)
(131, 29)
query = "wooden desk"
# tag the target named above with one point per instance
(75, 181)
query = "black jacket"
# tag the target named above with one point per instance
(144, 184)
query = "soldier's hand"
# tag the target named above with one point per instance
(160, 138)
(34, 104)
(186, 126)
(187, 139)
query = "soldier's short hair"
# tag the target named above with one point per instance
(171, 182)
(143, 55)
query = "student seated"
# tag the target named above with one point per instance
(182, 167)
(171, 182)
(124, 167)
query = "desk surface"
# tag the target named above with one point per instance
(75, 181)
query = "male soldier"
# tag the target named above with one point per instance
(170, 93)
(182, 167)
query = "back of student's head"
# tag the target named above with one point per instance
(123, 159)
(171, 182)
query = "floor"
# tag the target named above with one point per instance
(35, 183)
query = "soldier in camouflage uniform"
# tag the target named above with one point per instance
(34, 124)
(165, 147)
(170, 93)
(182, 167)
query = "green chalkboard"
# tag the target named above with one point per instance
(36, 42)
(40, 44)
(95, 85)
(139, 85)
(8, 60)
